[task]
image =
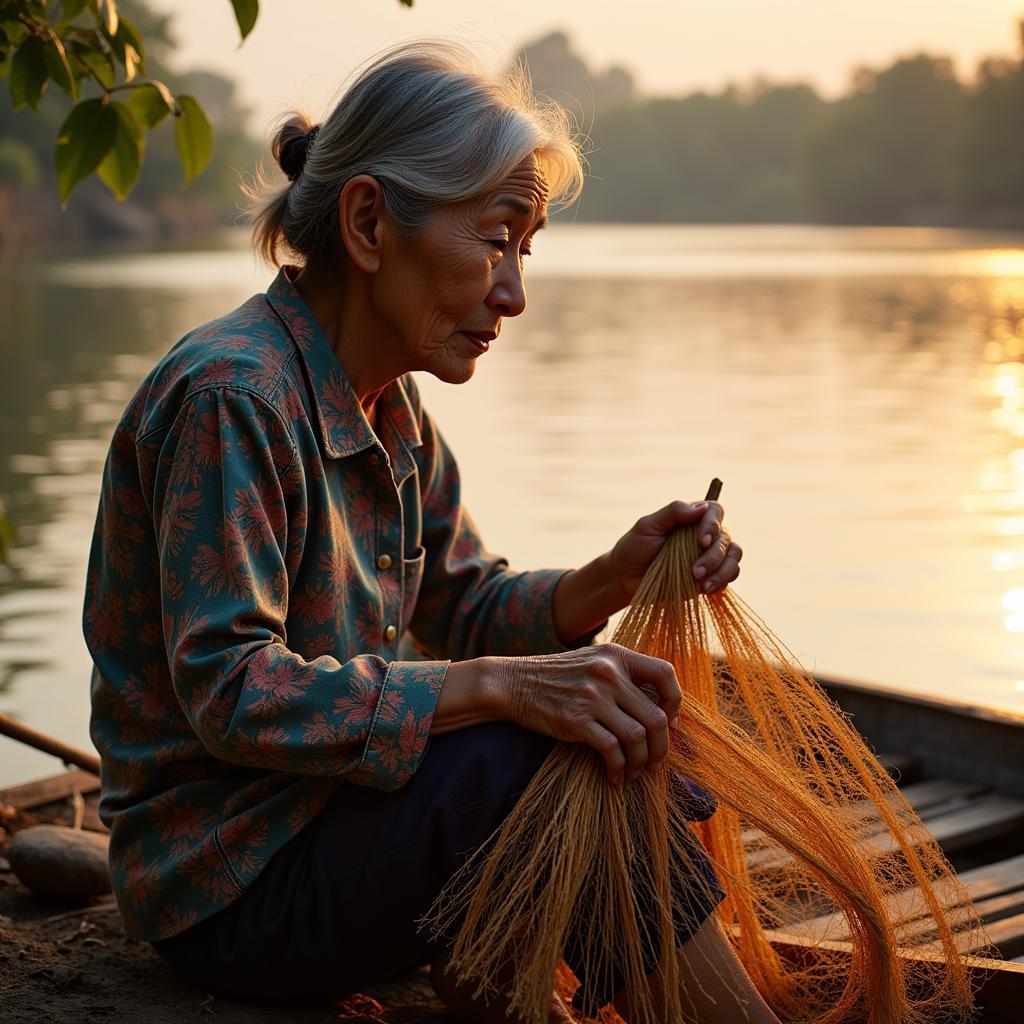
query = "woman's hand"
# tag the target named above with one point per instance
(594, 696)
(718, 566)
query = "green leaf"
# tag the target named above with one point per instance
(14, 30)
(128, 47)
(246, 13)
(71, 9)
(28, 73)
(128, 35)
(194, 136)
(108, 16)
(57, 63)
(150, 103)
(131, 62)
(99, 63)
(84, 140)
(6, 534)
(119, 169)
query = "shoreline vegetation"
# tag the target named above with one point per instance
(910, 144)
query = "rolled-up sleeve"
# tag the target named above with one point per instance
(230, 512)
(471, 603)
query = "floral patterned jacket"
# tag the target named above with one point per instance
(259, 552)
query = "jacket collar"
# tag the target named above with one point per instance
(344, 428)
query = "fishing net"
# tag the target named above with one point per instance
(813, 845)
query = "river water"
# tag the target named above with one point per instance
(859, 391)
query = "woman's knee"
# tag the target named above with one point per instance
(501, 754)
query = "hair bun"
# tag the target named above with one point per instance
(292, 143)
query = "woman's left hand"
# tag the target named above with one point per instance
(717, 567)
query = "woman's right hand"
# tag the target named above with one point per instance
(593, 695)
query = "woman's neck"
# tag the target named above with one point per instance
(344, 313)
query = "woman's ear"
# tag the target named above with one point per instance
(361, 216)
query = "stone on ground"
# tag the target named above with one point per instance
(55, 861)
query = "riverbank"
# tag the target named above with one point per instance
(31, 221)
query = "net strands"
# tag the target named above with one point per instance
(808, 824)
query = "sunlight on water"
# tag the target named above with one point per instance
(860, 392)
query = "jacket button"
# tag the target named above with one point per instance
(384, 562)
(390, 633)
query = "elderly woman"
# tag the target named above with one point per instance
(286, 793)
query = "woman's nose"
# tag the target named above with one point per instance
(508, 296)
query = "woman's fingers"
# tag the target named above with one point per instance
(641, 708)
(618, 701)
(713, 557)
(719, 564)
(607, 744)
(631, 734)
(727, 571)
(625, 697)
(658, 675)
(666, 519)
(711, 524)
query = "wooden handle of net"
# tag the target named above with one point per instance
(49, 745)
(714, 490)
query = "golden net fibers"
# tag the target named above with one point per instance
(811, 838)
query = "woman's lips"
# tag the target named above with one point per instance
(481, 340)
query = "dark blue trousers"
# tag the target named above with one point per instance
(335, 909)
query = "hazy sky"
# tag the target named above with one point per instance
(301, 50)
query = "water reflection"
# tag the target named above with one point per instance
(1000, 379)
(861, 392)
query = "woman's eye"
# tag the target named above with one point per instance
(501, 244)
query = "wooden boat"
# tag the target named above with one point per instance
(960, 766)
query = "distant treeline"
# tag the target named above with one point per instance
(908, 144)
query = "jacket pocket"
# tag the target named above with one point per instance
(412, 577)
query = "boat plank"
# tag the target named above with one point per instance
(934, 792)
(929, 799)
(989, 817)
(921, 933)
(986, 882)
(1006, 934)
(44, 791)
(1000, 984)
(902, 767)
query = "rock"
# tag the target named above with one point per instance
(53, 860)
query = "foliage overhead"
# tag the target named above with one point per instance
(89, 46)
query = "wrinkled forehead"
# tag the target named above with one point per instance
(526, 187)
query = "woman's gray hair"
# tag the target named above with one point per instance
(432, 126)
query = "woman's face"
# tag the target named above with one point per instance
(464, 273)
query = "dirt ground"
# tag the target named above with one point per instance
(73, 964)
(63, 963)
(63, 968)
